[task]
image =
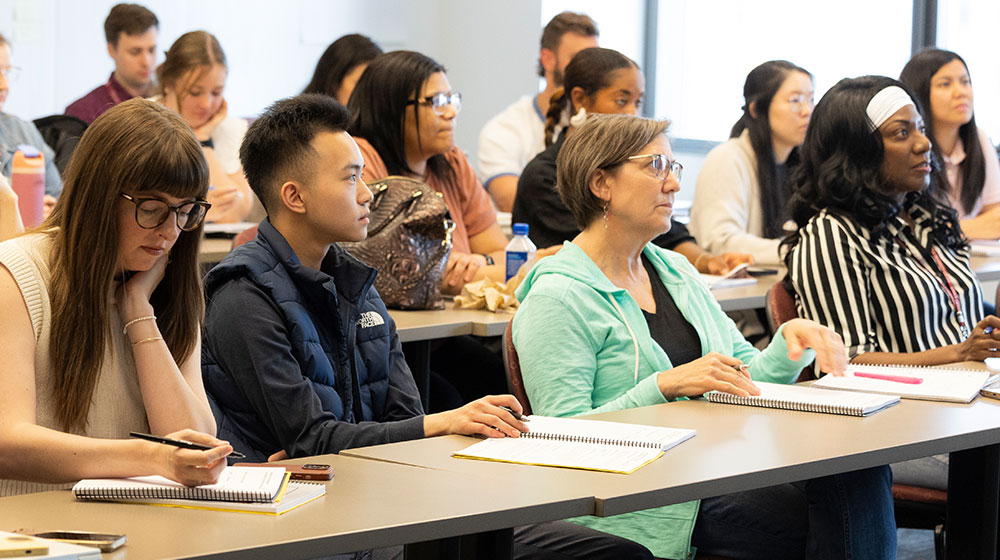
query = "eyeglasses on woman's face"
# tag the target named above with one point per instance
(661, 165)
(439, 101)
(150, 213)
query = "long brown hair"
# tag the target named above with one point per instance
(194, 50)
(136, 145)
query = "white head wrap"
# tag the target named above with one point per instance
(885, 104)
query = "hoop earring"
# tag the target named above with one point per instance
(579, 118)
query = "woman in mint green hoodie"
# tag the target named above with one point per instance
(633, 325)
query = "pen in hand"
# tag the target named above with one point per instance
(181, 443)
(515, 414)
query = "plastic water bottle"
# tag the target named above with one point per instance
(519, 251)
(27, 178)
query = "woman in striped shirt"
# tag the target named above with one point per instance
(879, 257)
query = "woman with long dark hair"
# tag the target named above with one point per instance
(742, 188)
(878, 257)
(596, 81)
(340, 67)
(941, 83)
(102, 317)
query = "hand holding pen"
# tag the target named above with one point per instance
(179, 458)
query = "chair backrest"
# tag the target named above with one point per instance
(515, 384)
(780, 308)
(244, 236)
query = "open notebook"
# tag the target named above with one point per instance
(246, 489)
(806, 399)
(580, 444)
(910, 382)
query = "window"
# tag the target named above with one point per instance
(967, 28)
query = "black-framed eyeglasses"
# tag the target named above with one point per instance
(150, 213)
(438, 101)
(662, 166)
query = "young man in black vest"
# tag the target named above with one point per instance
(300, 356)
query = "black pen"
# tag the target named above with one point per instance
(517, 415)
(181, 443)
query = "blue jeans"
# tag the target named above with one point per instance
(843, 516)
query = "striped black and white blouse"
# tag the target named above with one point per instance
(882, 295)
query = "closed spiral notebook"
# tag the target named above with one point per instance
(808, 399)
(580, 444)
(235, 484)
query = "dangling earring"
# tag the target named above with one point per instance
(606, 206)
(579, 118)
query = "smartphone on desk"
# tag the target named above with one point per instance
(991, 391)
(21, 546)
(308, 471)
(106, 542)
(757, 271)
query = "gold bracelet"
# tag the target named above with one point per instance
(134, 321)
(150, 339)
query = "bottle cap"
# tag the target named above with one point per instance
(29, 151)
(520, 228)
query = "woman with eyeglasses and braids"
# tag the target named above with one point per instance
(103, 308)
(743, 186)
(596, 81)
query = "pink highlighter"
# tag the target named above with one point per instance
(895, 378)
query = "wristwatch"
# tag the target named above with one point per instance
(489, 259)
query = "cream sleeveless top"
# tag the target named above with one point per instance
(117, 406)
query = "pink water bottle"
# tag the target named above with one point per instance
(27, 178)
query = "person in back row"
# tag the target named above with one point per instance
(301, 356)
(341, 66)
(102, 312)
(597, 81)
(743, 187)
(510, 139)
(15, 131)
(131, 32)
(192, 79)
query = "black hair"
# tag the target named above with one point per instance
(839, 165)
(759, 89)
(379, 102)
(277, 146)
(917, 75)
(590, 70)
(342, 56)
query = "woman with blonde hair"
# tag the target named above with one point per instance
(192, 79)
(102, 317)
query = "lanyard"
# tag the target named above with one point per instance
(945, 281)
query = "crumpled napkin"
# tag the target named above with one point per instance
(490, 294)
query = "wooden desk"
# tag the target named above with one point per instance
(368, 504)
(213, 249)
(742, 448)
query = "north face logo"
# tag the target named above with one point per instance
(370, 319)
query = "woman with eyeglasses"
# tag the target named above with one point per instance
(633, 327)
(971, 172)
(404, 115)
(192, 79)
(103, 307)
(742, 188)
(596, 81)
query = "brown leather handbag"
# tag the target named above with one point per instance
(409, 240)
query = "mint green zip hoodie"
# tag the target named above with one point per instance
(584, 347)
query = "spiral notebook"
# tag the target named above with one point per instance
(236, 484)
(807, 399)
(580, 444)
(912, 382)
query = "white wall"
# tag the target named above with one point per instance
(489, 48)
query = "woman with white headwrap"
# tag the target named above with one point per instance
(878, 257)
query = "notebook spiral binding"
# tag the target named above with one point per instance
(782, 404)
(587, 439)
